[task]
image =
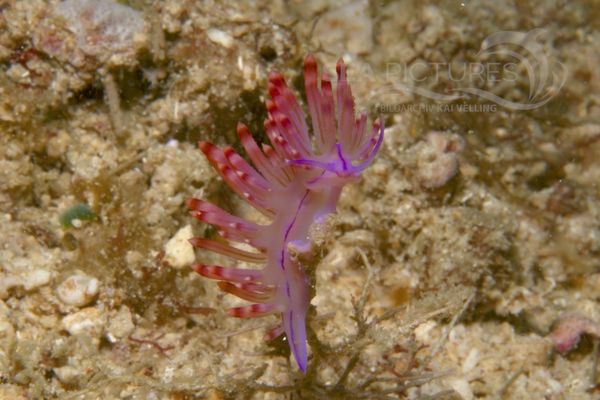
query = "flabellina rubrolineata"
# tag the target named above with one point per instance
(296, 181)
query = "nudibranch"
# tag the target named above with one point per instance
(295, 181)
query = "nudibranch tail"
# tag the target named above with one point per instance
(293, 183)
(295, 327)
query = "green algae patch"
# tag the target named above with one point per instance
(79, 212)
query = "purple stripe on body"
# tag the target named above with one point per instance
(316, 179)
(341, 156)
(287, 231)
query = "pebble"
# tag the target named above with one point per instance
(179, 253)
(102, 27)
(346, 28)
(437, 160)
(120, 325)
(36, 278)
(461, 386)
(220, 37)
(88, 320)
(78, 290)
(67, 374)
(423, 332)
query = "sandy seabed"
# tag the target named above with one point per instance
(475, 230)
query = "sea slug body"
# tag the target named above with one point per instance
(295, 181)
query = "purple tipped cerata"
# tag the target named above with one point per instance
(295, 181)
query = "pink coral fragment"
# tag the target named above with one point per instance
(567, 331)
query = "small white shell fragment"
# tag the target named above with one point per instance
(173, 143)
(78, 290)
(88, 320)
(220, 37)
(179, 253)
